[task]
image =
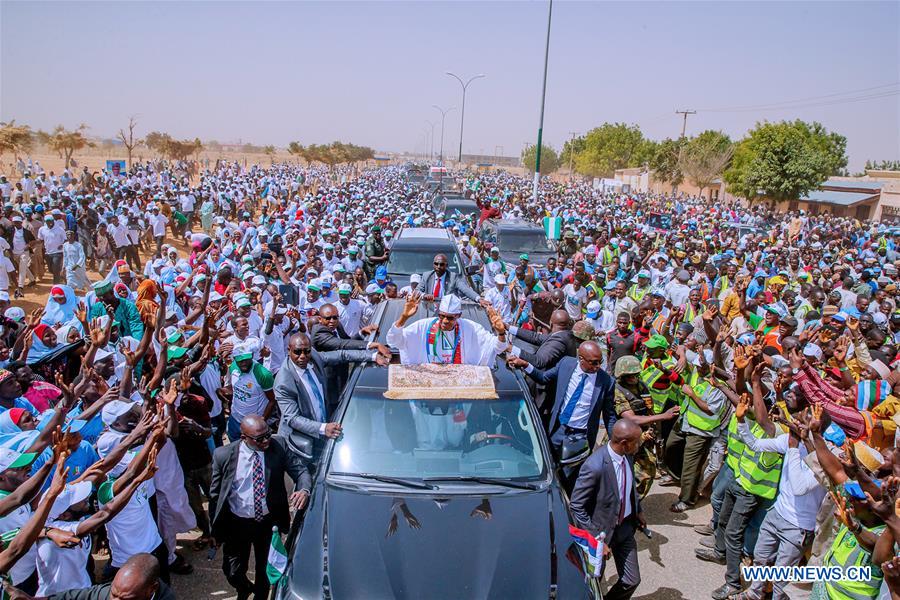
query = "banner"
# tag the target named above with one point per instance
(116, 167)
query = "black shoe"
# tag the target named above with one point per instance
(709, 556)
(725, 592)
(704, 529)
(679, 507)
(19, 293)
(181, 566)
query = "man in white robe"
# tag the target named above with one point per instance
(446, 339)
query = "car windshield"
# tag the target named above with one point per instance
(524, 241)
(493, 439)
(407, 262)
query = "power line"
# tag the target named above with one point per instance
(685, 113)
(834, 102)
(799, 100)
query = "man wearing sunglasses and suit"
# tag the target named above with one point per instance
(585, 394)
(248, 497)
(302, 390)
(440, 282)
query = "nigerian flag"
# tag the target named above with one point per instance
(553, 227)
(277, 563)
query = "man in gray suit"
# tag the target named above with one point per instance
(440, 282)
(604, 501)
(302, 391)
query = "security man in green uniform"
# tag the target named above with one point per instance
(568, 247)
(632, 400)
(376, 252)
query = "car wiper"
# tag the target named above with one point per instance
(418, 485)
(520, 485)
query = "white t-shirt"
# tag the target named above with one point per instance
(134, 529)
(53, 237)
(159, 222)
(6, 267)
(18, 246)
(574, 300)
(25, 566)
(61, 569)
(350, 316)
(250, 390)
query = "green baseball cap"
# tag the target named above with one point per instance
(656, 341)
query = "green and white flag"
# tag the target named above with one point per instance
(553, 227)
(277, 563)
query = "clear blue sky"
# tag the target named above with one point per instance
(272, 72)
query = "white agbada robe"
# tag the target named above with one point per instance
(174, 515)
(478, 346)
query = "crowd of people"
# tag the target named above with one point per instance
(738, 354)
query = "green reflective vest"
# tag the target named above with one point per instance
(637, 294)
(649, 376)
(695, 417)
(759, 472)
(846, 552)
(735, 447)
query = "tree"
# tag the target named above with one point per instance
(785, 160)
(705, 157)
(570, 150)
(128, 139)
(664, 162)
(17, 139)
(156, 141)
(66, 142)
(549, 159)
(171, 148)
(612, 146)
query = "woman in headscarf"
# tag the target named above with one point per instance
(146, 303)
(61, 306)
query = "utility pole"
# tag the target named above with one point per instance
(537, 153)
(685, 113)
(462, 117)
(443, 116)
(572, 153)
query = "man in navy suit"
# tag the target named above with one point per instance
(584, 394)
(605, 501)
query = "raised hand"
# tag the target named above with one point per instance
(496, 321)
(410, 307)
(815, 419)
(34, 319)
(742, 407)
(81, 312)
(741, 358)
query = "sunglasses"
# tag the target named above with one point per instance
(301, 351)
(440, 264)
(594, 363)
(331, 318)
(447, 317)
(259, 438)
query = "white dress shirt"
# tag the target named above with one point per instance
(579, 418)
(313, 400)
(622, 469)
(240, 500)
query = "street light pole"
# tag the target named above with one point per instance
(443, 116)
(537, 161)
(462, 117)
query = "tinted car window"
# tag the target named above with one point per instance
(524, 241)
(438, 438)
(407, 262)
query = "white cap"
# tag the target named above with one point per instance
(114, 410)
(10, 459)
(215, 296)
(373, 288)
(500, 278)
(72, 494)
(101, 354)
(812, 350)
(415, 278)
(450, 305)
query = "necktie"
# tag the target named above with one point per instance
(573, 401)
(259, 487)
(622, 465)
(315, 388)
(437, 287)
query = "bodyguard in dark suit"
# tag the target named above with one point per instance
(247, 497)
(605, 501)
(328, 335)
(440, 282)
(302, 391)
(552, 346)
(584, 395)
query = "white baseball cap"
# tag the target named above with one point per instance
(114, 410)
(10, 459)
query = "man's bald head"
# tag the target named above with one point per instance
(590, 356)
(138, 579)
(560, 321)
(626, 437)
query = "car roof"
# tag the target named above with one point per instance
(514, 224)
(423, 233)
(506, 381)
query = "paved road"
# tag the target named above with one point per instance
(669, 569)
